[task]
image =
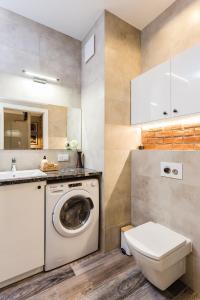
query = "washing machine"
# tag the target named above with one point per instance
(72, 221)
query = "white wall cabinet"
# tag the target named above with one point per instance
(185, 75)
(168, 90)
(150, 93)
(21, 229)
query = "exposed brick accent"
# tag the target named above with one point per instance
(183, 137)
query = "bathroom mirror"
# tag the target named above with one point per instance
(37, 116)
(38, 126)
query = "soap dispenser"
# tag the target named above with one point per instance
(44, 161)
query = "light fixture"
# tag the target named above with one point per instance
(40, 78)
(174, 122)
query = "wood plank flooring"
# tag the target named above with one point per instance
(110, 276)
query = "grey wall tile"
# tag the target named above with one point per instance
(172, 203)
(25, 44)
(93, 101)
(30, 159)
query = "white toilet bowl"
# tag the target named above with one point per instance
(160, 253)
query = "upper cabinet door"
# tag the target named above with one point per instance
(150, 95)
(186, 82)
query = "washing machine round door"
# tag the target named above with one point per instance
(73, 213)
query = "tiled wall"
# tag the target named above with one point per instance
(107, 135)
(122, 63)
(93, 103)
(175, 30)
(92, 98)
(183, 137)
(25, 44)
(170, 202)
(30, 159)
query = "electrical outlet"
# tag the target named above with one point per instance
(63, 157)
(171, 170)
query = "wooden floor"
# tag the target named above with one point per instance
(98, 276)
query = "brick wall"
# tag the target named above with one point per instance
(179, 137)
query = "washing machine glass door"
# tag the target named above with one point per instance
(73, 213)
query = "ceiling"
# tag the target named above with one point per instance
(75, 17)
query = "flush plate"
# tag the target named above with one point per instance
(171, 170)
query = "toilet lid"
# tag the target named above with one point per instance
(154, 240)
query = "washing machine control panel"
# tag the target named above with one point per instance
(61, 188)
(76, 184)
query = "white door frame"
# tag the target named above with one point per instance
(44, 112)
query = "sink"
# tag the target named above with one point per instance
(21, 174)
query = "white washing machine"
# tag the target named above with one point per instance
(72, 221)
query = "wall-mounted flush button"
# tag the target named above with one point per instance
(167, 170)
(175, 171)
(171, 170)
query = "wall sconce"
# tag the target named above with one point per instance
(40, 78)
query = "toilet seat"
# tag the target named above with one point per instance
(154, 240)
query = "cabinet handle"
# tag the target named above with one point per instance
(175, 111)
(39, 187)
(165, 113)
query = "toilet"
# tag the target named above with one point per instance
(159, 252)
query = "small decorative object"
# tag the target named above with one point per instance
(49, 167)
(72, 145)
(44, 162)
(141, 147)
(80, 159)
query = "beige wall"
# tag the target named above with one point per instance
(173, 31)
(57, 126)
(107, 134)
(122, 63)
(170, 202)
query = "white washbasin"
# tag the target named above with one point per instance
(21, 174)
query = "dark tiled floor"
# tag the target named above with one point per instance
(109, 276)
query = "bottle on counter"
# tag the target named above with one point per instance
(43, 163)
(80, 160)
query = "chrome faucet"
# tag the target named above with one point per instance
(13, 165)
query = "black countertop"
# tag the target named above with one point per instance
(70, 173)
(58, 176)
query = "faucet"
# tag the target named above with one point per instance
(13, 165)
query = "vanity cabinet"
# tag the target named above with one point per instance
(169, 90)
(185, 76)
(150, 93)
(21, 229)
